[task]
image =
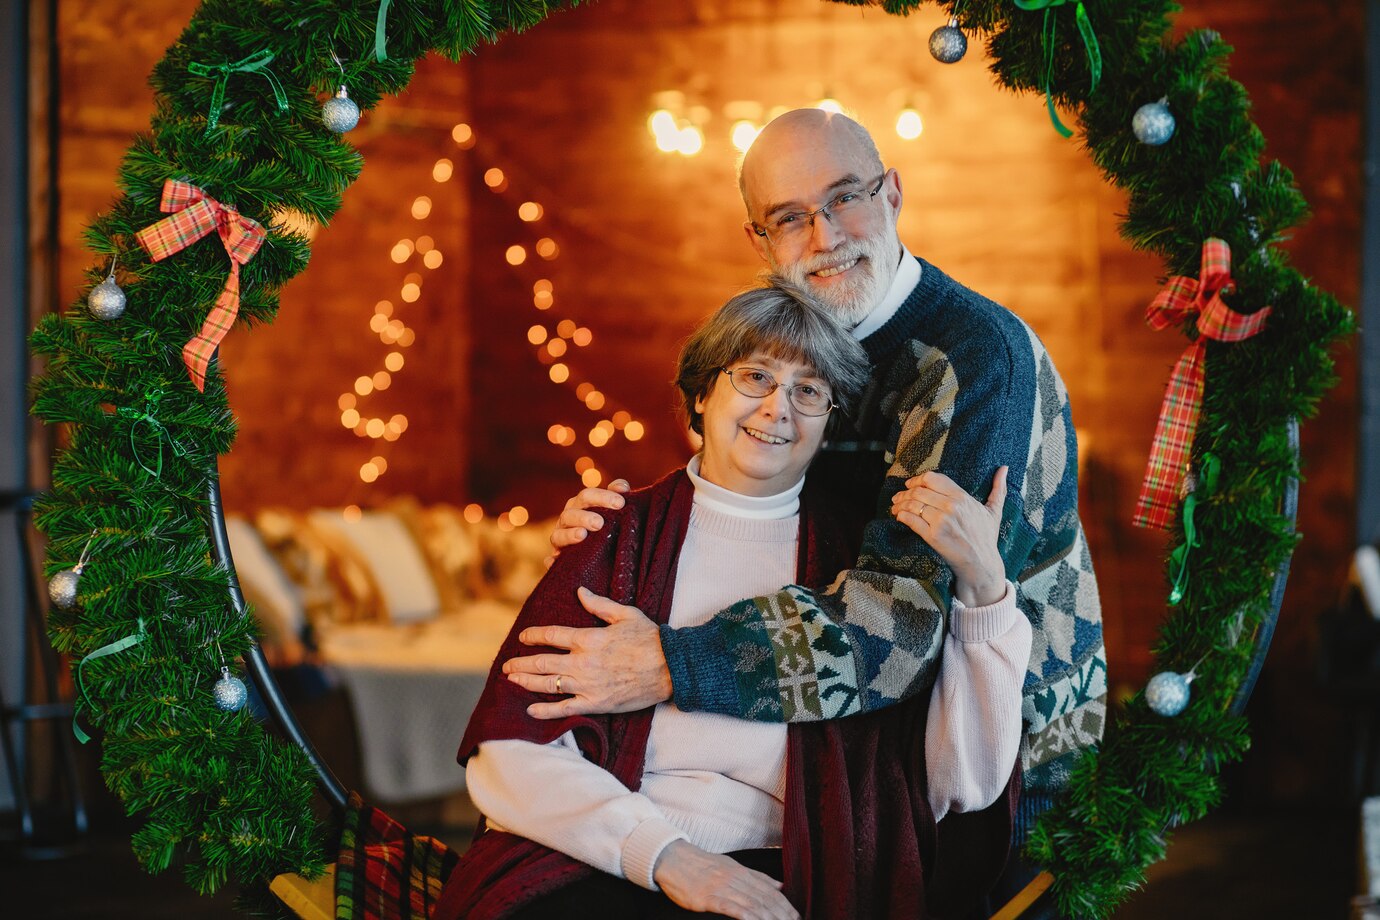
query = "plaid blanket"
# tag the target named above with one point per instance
(383, 871)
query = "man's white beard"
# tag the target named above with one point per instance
(851, 303)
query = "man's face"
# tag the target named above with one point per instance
(846, 259)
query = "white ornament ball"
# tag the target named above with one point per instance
(1153, 124)
(62, 590)
(340, 113)
(948, 44)
(106, 301)
(230, 692)
(1167, 693)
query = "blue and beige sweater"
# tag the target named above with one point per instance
(963, 386)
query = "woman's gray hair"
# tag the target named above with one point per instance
(779, 320)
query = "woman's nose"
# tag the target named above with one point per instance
(777, 403)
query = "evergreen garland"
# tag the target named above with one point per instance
(228, 802)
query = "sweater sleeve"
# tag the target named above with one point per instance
(874, 636)
(551, 794)
(973, 732)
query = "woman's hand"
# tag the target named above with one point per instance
(577, 521)
(962, 530)
(708, 882)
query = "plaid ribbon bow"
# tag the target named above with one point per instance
(192, 215)
(1181, 298)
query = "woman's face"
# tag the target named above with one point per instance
(759, 446)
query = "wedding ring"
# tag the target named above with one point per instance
(558, 683)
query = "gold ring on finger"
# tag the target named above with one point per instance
(558, 683)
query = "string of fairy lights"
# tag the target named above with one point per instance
(679, 127)
(554, 342)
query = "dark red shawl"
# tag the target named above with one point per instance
(859, 838)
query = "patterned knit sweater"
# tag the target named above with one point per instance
(961, 385)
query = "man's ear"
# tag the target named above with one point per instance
(891, 188)
(759, 243)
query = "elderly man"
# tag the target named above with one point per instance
(960, 385)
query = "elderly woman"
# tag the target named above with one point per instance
(664, 813)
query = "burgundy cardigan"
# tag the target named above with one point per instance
(859, 839)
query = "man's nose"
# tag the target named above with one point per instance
(823, 233)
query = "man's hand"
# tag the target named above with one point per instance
(615, 668)
(577, 522)
(709, 882)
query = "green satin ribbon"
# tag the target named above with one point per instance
(119, 645)
(145, 416)
(255, 63)
(381, 32)
(1178, 560)
(1090, 45)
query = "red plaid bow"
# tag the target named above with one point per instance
(1182, 297)
(192, 215)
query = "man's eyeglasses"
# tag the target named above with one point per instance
(795, 225)
(808, 398)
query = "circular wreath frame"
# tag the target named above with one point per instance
(235, 803)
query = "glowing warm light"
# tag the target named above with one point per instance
(559, 373)
(743, 134)
(591, 478)
(351, 513)
(584, 463)
(583, 390)
(504, 524)
(374, 428)
(555, 348)
(582, 336)
(442, 170)
(463, 135)
(518, 515)
(425, 243)
(493, 177)
(633, 431)
(388, 335)
(568, 437)
(421, 207)
(516, 255)
(349, 418)
(542, 300)
(406, 337)
(598, 437)
(530, 211)
(361, 430)
(383, 308)
(381, 463)
(663, 126)
(908, 124)
(565, 328)
(432, 259)
(383, 380)
(555, 434)
(368, 472)
(542, 286)
(402, 251)
(829, 104)
(606, 427)
(620, 419)
(544, 356)
(594, 401)
(547, 248)
(393, 361)
(689, 141)
(410, 292)
(474, 513)
(346, 401)
(399, 421)
(364, 386)
(391, 434)
(536, 334)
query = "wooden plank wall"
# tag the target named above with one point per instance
(650, 242)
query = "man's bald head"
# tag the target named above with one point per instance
(807, 133)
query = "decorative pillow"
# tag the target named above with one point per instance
(450, 546)
(277, 602)
(514, 560)
(336, 583)
(382, 541)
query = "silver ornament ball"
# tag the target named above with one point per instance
(106, 301)
(340, 113)
(230, 692)
(1153, 124)
(62, 590)
(948, 44)
(1167, 693)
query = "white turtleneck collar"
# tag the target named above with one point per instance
(764, 508)
(906, 278)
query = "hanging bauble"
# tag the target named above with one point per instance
(230, 692)
(340, 113)
(1167, 692)
(1153, 123)
(106, 301)
(62, 589)
(948, 44)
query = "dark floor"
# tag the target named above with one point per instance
(1284, 865)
